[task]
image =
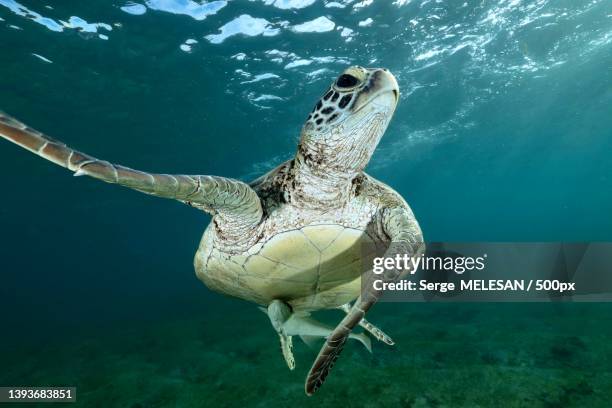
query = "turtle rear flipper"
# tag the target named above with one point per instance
(279, 312)
(406, 238)
(236, 203)
(369, 327)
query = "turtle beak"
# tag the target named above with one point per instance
(386, 82)
(382, 88)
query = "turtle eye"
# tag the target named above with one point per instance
(346, 81)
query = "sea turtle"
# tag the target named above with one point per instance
(299, 238)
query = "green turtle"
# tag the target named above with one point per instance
(299, 238)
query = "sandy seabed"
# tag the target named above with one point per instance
(446, 355)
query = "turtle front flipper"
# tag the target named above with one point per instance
(370, 328)
(406, 238)
(237, 205)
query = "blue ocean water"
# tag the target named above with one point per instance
(503, 133)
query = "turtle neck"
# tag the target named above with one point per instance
(318, 183)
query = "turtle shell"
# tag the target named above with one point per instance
(310, 268)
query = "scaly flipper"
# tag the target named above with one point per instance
(406, 238)
(369, 327)
(235, 202)
(287, 350)
(279, 312)
(301, 324)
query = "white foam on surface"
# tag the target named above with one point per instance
(291, 60)
(196, 10)
(428, 54)
(261, 77)
(365, 23)
(281, 55)
(318, 72)
(242, 72)
(289, 4)
(135, 9)
(262, 101)
(298, 63)
(362, 4)
(347, 33)
(81, 25)
(74, 22)
(244, 25)
(266, 97)
(329, 59)
(318, 25)
(23, 11)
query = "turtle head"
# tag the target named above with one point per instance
(348, 121)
